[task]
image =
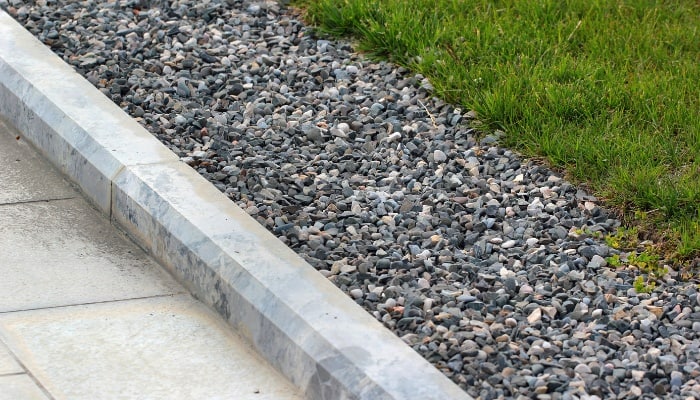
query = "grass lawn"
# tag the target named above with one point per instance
(609, 90)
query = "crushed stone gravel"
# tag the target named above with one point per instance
(492, 267)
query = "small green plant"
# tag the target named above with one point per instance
(585, 231)
(623, 238)
(650, 266)
(647, 262)
(614, 260)
(613, 240)
(644, 287)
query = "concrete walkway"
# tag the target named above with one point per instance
(86, 314)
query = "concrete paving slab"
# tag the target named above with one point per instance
(27, 176)
(20, 387)
(65, 252)
(8, 364)
(158, 348)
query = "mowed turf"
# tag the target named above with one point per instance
(608, 90)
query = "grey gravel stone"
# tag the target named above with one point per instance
(597, 262)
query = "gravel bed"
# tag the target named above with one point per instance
(490, 266)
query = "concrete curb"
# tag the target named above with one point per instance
(304, 326)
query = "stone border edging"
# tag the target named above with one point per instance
(297, 320)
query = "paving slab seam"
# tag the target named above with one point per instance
(15, 358)
(93, 303)
(327, 345)
(36, 201)
(27, 372)
(36, 382)
(14, 373)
